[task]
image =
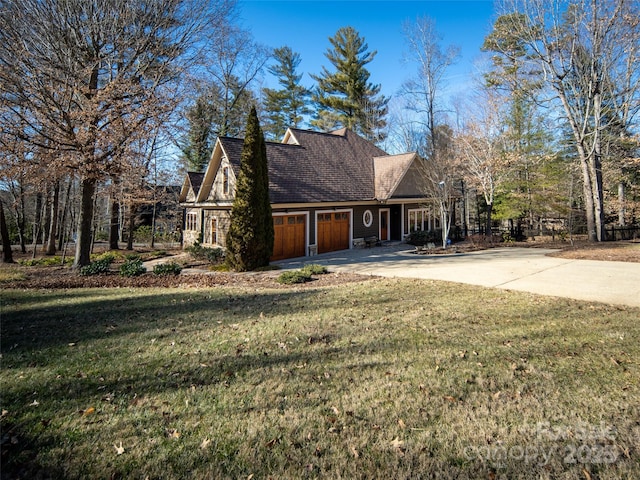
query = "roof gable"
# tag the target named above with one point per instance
(391, 173)
(191, 186)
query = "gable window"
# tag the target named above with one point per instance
(225, 180)
(191, 222)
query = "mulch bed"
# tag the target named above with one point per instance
(64, 278)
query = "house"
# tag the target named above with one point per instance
(329, 191)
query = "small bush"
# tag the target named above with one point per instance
(211, 255)
(97, 267)
(142, 233)
(54, 261)
(170, 268)
(294, 276)
(132, 267)
(423, 237)
(314, 269)
(106, 256)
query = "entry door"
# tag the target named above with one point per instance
(384, 225)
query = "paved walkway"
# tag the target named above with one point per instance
(512, 268)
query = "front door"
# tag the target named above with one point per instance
(384, 225)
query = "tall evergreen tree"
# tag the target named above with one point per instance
(285, 107)
(346, 98)
(196, 147)
(251, 234)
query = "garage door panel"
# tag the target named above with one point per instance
(333, 231)
(289, 236)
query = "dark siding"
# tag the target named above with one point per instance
(359, 230)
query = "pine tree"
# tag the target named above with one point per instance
(346, 98)
(196, 148)
(286, 107)
(250, 237)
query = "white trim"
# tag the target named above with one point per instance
(367, 213)
(191, 221)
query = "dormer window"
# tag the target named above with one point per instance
(225, 180)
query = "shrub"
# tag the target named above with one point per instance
(507, 238)
(170, 268)
(294, 276)
(132, 267)
(142, 233)
(423, 237)
(314, 269)
(101, 265)
(211, 255)
(54, 261)
(107, 256)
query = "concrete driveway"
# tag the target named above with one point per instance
(512, 268)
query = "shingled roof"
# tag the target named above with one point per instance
(194, 181)
(315, 166)
(389, 171)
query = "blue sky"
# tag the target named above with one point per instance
(306, 25)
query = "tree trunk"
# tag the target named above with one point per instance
(114, 227)
(63, 221)
(53, 225)
(46, 222)
(37, 223)
(85, 222)
(621, 210)
(588, 200)
(596, 167)
(7, 254)
(489, 226)
(132, 225)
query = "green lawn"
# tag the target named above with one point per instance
(380, 379)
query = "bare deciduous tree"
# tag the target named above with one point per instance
(587, 55)
(424, 90)
(87, 77)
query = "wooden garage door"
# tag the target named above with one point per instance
(333, 231)
(289, 233)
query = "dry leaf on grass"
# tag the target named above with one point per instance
(119, 449)
(396, 443)
(88, 411)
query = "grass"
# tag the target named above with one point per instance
(381, 379)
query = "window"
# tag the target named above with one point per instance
(419, 219)
(214, 231)
(191, 222)
(367, 218)
(225, 180)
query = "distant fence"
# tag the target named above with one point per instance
(621, 233)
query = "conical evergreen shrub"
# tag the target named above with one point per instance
(250, 237)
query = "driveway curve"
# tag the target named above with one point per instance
(511, 268)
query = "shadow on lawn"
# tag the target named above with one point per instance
(37, 321)
(144, 389)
